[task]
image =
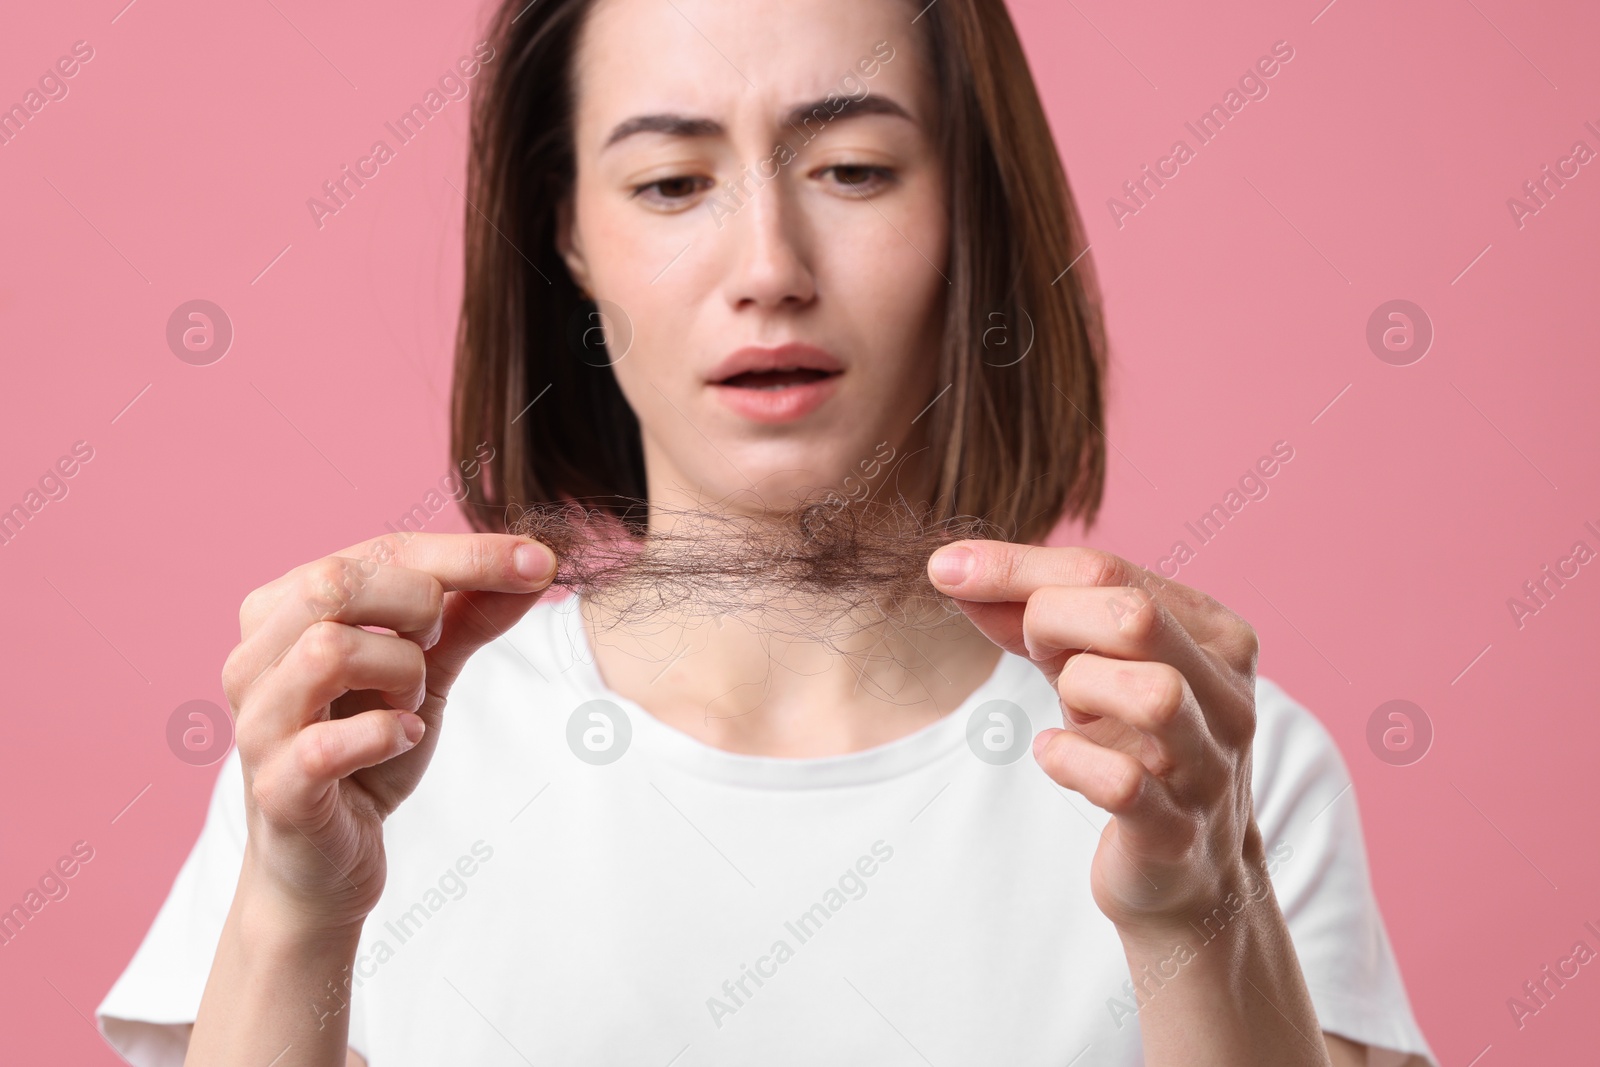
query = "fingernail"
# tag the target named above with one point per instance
(951, 566)
(413, 726)
(534, 562)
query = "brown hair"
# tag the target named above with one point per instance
(1015, 443)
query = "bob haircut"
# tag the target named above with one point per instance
(1016, 442)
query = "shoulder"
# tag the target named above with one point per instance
(1296, 767)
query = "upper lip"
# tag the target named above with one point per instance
(791, 356)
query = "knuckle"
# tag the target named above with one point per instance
(488, 559)
(316, 752)
(326, 586)
(1246, 643)
(385, 549)
(1136, 612)
(251, 608)
(247, 738)
(234, 681)
(1099, 568)
(1163, 695)
(1124, 781)
(1005, 569)
(324, 646)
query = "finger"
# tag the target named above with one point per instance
(481, 561)
(360, 591)
(337, 589)
(1110, 780)
(1120, 621)
(999, 571)
(1152, 698)
(325, 752)
(456, 561)
(328, 660)
(1057, 622)
(1125, 623)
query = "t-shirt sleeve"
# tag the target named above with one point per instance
(147, 1013)
(1306, 809)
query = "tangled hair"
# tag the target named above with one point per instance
(817, 569)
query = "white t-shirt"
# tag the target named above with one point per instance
(921, 900)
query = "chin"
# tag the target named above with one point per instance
(849, 471)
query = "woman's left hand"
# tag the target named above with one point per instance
(1157, 683)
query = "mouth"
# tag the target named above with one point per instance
(777, 378)
(776, 385)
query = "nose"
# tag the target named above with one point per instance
(771, 263)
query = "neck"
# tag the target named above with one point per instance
(793, 683)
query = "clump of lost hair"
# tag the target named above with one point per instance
(816, 569)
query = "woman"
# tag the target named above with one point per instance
(683, 839)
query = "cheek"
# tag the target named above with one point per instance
(624, 260)
(893, 268)
(895, 302)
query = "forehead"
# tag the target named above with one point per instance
(723, 58)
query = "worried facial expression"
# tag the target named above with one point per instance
(760, 197)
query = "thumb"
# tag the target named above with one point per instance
(471, 619)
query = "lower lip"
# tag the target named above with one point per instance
(785, 404)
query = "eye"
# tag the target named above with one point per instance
(859, 178)
(676, 191)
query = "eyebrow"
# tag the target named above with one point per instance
(690, 126)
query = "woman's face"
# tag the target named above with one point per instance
(784, 326)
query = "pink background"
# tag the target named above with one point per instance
(1379, 567)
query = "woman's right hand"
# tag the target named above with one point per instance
(336, 723)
